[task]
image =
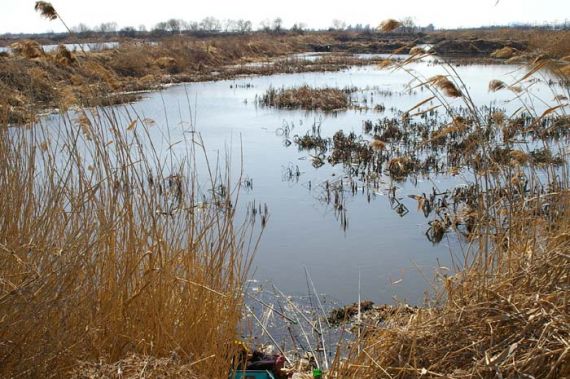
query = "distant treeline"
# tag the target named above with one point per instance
(212, 25)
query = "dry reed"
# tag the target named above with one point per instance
(108, 250)
(496, 85)
(305, 97)
(27, 49)
(445, 85)
(504, 53)
(46, 10)
(505, 312)
(389, 25)
(505, 316)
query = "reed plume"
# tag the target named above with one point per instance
(496, 85)
(389, 25)
(46, 10)
(445, 85)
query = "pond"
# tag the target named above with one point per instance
(369, 245)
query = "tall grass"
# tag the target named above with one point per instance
(108, 249)
(505, 313)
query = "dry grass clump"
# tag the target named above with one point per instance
(377, 144)
(400, 167)
(504, 53)
(27, 49)
(417, 50)
(64, 56)
(137, 366)
(166, 62)
(389, 25)
(107, 250)
(305, 97)
(505, 316)
(519, 156)
(554, 43)
(565, 70)
(453, 130)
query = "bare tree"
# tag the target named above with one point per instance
(128, 31)
(160, 27)
(174, 25)
(244, 26)
(277, 25)
(298, 27)
(210, 24)
(338, 24)
(408, 25)
(107, 27)
(265, 25)
(230, 26)
(81, 28)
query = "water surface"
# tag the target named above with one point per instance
(390, 253)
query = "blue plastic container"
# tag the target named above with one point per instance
(252, 374)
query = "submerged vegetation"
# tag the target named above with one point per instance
(504, 313)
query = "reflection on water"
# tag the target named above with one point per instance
(376, 231)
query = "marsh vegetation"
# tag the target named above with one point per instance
(130, 233)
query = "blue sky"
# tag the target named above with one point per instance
(19, 16)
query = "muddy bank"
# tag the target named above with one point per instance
(388, 43)
(33, 80)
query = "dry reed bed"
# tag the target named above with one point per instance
(307, 98)
(506, 312)
(32, 79)
(508, 315)
(108, 250)
(65, 79)
(137, 366)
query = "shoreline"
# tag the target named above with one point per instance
(62, 79)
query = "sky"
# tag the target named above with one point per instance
(18, 16)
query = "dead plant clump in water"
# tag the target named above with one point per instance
(305, 97)
(377, 144)
(105, 257)
(505, 316)
(400, 167)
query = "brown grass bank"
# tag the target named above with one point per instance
(508, 315)
(32, 80)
